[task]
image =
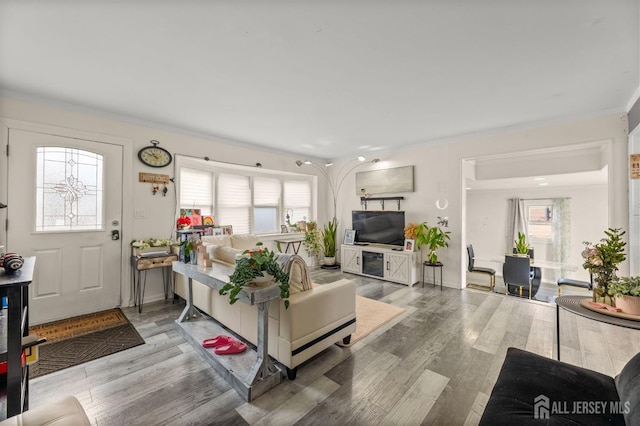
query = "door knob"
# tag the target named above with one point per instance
(115, 235)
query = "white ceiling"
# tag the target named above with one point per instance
(328, 79)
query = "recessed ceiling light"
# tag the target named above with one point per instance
(543, 184)
(468, 187)
(539, 178)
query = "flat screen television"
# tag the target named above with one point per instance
(378, 227)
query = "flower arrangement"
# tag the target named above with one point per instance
(183, 222)
(250, 266)
(602, 259)
(411, 230)
(151, 242)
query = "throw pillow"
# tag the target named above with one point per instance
(227, 254)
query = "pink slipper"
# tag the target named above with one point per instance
(220, 340)
(234, 347)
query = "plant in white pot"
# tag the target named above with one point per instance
(626, 291)
(329, 234)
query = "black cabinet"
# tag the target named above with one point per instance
(15, 287)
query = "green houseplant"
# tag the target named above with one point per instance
(626, 291)
(602, 260)
(252, 265)
(329, 234)
(432, 237)
(521, 245)
(311, 241)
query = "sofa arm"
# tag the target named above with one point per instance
(318, 310)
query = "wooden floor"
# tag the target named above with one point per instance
(434, 364)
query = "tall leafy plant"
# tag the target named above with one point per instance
(329, 233)
(432, 237)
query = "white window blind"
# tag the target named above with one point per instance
(196, 190)
(234, 202)
(297, 198)
(266, 201)
(266, 191)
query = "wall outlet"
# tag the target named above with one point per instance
(139, 214)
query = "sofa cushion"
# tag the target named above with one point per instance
(211, 250)
(628, 385)
(528, 381)
(219, 240)
(227, 254)
(244, 241)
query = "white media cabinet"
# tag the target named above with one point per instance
(383, 262)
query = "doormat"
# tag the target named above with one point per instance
(370, 315)
(81, 339)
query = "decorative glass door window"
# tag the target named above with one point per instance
(69, 190)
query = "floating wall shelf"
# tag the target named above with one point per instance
(365, 200)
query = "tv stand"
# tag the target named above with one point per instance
(382, 262)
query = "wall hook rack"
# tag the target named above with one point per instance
(365, 200)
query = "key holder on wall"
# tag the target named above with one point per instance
(155, 180)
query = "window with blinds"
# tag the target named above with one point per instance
(251, 203)
(297, 199)
(266, 203)
(234, 202)
(196, 190)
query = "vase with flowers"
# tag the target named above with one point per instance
(602, 260)
(183, 222)
(253, 266)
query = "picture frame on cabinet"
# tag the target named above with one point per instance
(409, 245)
(349, 236)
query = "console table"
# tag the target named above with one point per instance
(252, 372)
(15, 286)
(572, 304)
(144, 264)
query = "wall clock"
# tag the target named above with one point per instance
(154, 156)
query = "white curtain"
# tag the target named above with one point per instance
(561, 242)
(516, 222)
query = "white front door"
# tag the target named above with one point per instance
(64, 202)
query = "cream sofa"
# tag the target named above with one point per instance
(315, 320)
(65, 412)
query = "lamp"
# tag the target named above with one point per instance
(336, 180)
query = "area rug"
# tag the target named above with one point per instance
(370, 315)
(81, 339)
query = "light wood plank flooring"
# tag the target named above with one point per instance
(434, 364)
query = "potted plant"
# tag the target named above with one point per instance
(521, 245)
(311, 241)
(187, 248)
(329, 233)
(432, 237)
(626, 291)
(254, 265)
(602, 261)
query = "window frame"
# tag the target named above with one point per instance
(217, 168)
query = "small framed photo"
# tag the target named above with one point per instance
(409, 245)
(349, 236)
(227, 229)
(284, 229)
(217, 231)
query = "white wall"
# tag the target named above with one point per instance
(158, 211)
(487, 217)
(437, 172)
